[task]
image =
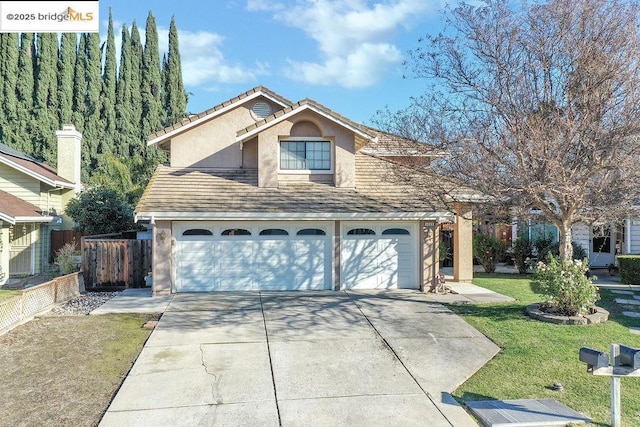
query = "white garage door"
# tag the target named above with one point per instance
(214, 256)
(383, 256)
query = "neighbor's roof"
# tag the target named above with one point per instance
(196, 119)
(32, 167)
(183, 193)
(14, 209)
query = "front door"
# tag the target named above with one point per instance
(602, 247)
(21, 250)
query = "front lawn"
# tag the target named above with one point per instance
(535, 355)
(65, 370)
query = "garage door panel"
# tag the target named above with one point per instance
(253, 262)
(379, 261)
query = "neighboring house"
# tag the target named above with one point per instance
(602, 243)
(32, 198)
(265, 194)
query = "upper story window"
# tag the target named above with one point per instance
(312, 155)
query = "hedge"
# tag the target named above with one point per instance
(629, 267)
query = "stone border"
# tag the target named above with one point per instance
(599, 316)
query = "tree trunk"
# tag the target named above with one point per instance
(566, 248)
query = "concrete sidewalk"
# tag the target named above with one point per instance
(138, 300)
(302, 358)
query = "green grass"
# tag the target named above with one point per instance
(5, 294)
(535, 355)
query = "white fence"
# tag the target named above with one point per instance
(37, 299)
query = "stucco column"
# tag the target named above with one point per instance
(463, 244)
(336, 256)
(162, 258)
(429, 241)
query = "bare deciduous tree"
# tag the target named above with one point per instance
(537, 105)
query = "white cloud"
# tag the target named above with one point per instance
(354, 38)
(360, 68)
(203, 60)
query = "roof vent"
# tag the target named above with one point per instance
(261, 109)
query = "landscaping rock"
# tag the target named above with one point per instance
(82, 305)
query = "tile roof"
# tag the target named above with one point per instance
(39, 169)
(173, 190)
(12, 207)
(388, 144)
(216, 108)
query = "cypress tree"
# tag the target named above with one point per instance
(108, 98)
(126, 129)
(152, 111)
(9, 44)
(93, 131)
(175, 95)
(151, 81)
(24, 92)
(136, 90)
(79, 107)
(46, 96)
(66, 64)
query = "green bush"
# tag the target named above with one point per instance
(488, 249)
(522, 253)
(565, 285)
(545, 246)
(67, 258)
(579, 252)
(629, 268)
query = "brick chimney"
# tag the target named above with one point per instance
(69, 143)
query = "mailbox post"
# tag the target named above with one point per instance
(626, 363)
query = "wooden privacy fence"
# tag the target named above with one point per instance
(61, 237)
(115, 262)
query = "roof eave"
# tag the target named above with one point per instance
(303, 107)
(214, 114)
(289, 216)
(35, 175)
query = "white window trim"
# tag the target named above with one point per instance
(308, 171)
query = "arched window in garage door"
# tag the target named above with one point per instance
(311, 232)
(274, 232)
(361, 232)
(395, 232)
(236, 232)
(197, 232)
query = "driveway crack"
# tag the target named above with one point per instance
(215, 383)
(273, 378)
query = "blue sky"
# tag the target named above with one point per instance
(345, 54)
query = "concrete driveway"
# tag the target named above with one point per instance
(302, 358)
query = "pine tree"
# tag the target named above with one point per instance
(108, 98)
(46, 97)
(9, 44)
(66, 64)
(24, 92)
(175, 97)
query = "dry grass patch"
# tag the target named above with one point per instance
(65, 370)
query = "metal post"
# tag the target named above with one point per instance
(615, 389)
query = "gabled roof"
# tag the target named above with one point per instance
(32, 167)
(305, 104)
(177, 193)
(212, 112)
(14, 209)
(388, 144)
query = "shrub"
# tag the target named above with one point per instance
(629, 269)
(579, 252)
(522, 252)
(67, 258)
(565, 285)
(488, 249)
(545, 246)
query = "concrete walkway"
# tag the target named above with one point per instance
(301, 358)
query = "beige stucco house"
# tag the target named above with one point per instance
(262, 193)
(32, 200)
